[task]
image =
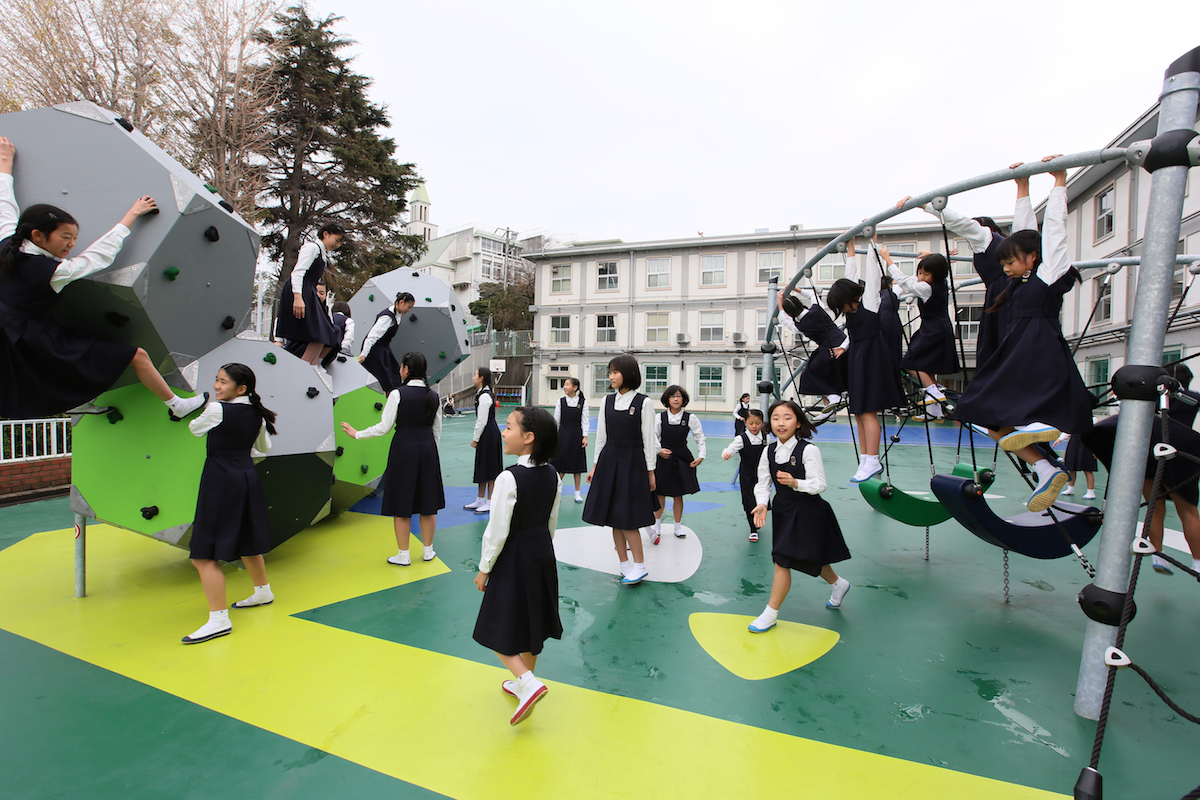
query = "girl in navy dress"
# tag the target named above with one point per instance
(344, 325)
(1030, 390)
(874, 377)
(377, 355)
(805, 534)
(45, 368)
(231, 514)
(573, 420)
(1079, 459)
(984, 237)
(489, 450)
(750, 443)
(740, 412)
(889, 318)
(301, 316)
(675, 470)
(622, 475)
(824, 374)
(932, 349)
(518, 573)
(412, 481)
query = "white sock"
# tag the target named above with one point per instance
(657, 525)
(219, 616)
(175, 403)
(831, 399)
(1044, 468)
(639, 565)
(624, 567)
(264, 589)
(525, 678)
(401, 553)
(427, 551)
(771, 614)
(1196, 564)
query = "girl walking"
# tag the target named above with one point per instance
(231, 514)
(489, 454)
(750, 443)
(518, 573)
(675, 470)
(572, 420)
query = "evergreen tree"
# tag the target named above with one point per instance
(329, 161)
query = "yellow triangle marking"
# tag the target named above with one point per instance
(757, 656)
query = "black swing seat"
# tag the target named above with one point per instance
(1032, 534)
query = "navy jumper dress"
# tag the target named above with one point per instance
(994, 324)
(890, 325)
(872, 372)
(231, 513)
(932, 348)
(412, 482)
(572, 455)
(805, 535)
(315, 327)
(489, 451)
(823, 375)
(381, 361)
(748, 473)
(620, 496)
(675, 476)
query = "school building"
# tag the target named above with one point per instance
(694, 310)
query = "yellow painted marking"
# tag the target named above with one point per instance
(430, 719)
(757, 656)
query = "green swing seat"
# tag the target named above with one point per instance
(920, 510)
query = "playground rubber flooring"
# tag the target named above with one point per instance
(362, 679)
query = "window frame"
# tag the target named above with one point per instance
(650, 385)
(563, 281)
(903, 258)
(613, 279)
(1104, 217)
(724, 270)
(711, 328)
(659, 284)
(701, 383)
(556, 332)
(778, 271)
(827, 267)
(610, 332)
(600, 384)
(662, 332)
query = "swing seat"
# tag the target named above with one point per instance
(920, 510)
(1032, 534)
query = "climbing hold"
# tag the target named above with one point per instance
(150, 512)
(114, 416)
(124, 123)
(412, 317)
(225, 204)
(416, 274)
(379, 406)
(116, 320)
(365, 469)
(171, 273)
(210, 187)
(442, 354)
(428, 299)
(371, 297)
(212, 234)
(312, 391)
(270, 358)
(453, 307)
(228, 323)
(339, 451)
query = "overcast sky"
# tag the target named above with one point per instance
(652, 120)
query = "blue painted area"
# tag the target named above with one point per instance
(943, 434)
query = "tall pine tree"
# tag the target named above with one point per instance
(329, 161)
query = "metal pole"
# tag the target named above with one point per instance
(768, 348)
(80, 555)
(1177, 111)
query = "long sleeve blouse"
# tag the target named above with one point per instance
(377, 331)
(308, 254)
(693, 426)
(388, 420)
(650, 445)
(1055, 260)
(504, 500)
(214, 413)
(481, 416)
(813, 481)
(585, 415)
(736, 445)
(979, 237)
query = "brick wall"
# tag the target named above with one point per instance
(19, 477)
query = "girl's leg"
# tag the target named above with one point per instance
(325, 351)
(781, 584)
(634, 540)
(213, 581)
(868, 432)
(829, 575)
(576, 483)
(312, 352)
(257, 567)
(143, 367)
(1071, 478)
(1030, 455)
(403, 528)
(428, 526)
(620, 546)
(1190, 518)
(662, 507)
(262, 594)
(677, 507)
(491, 486)
(926, 379)
(1090, 477)
(482, 491)
(516, 664)
(530, 660)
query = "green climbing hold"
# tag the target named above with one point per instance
(210, 187)
(269, 358)
(114, 417)
(371, 297)
(365, 469)
(171, 273)
(442, 354)
(428, 299)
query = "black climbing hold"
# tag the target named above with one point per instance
(416, 274)
(228, 323)
(212, 234)
(116, 320)
(379, 406)
(341, 359)
(114, 416)
(270, 358)
(339, 451)
(127, 125)
(453, 307)
(150, 512)
(225, 204)
(171, 273)
(412, 317)
(312, 391)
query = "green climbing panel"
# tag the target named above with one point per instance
(350, 482)
(920, 509)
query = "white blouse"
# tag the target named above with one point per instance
(585, 419)
(650, 444)
(736, 445)
(978, 236)
(481, 416)
(814, 470)
(214, 413)
(388, 421)
(693, 426)
(504, 499)
(376, 333)
(308, 254)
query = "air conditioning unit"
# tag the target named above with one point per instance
(739, 362)
(683, 339)
(739, 337)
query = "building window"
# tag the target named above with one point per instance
(712, 270)
(560, 329)
(658, 273)
(606, 328)
(710, 381)
(761, 328)
(560, 278)
(758, 376)
(559, 373)
(770, 265)
(606, 275)
(656, 380)
(1102, 291)
(1097, 373)
(968, 321)
(600, 384)
(1178, 281)
(490, 270)
(1106, 203)
(964, 250)
(1172, 352)
(905, 256)
(712, 326)
(831, 267)
(656, 326)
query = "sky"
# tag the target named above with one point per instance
(656, 120)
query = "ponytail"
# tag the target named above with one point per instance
(40, 217)
(267, 414)
(242, 375)
(418, 368)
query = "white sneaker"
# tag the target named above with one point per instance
(401, 559)
(578, 497)
(428, 554)
(209, 630)
(1162, 566)
(935, 411)
(764, 622)
(485, 508)
(1047, 491)
(868, 468)
(261, 597)
(979, 429)
(654, 535)
(637, 573)
(679, 532)
(824, 415)
(1069, 490)
(1090, 494)
(509, 688)
(186, 405)
(932, 395)
(1025, 435)
(476, 503)
(839, 591)
(533, 691)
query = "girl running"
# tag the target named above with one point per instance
(675, 473)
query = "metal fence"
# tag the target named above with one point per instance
(30, 439)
